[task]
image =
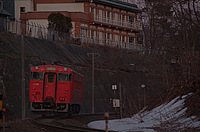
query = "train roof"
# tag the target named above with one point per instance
(50, 67)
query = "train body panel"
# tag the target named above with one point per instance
(77, 89)
(55, 88)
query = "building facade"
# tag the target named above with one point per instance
(4, 18)
(104, 22)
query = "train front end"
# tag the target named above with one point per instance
(50, 88)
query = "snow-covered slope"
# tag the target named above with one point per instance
(166, 117)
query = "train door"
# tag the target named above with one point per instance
(50, 87)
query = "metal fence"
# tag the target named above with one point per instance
(42, 32)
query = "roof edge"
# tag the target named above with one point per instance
(122, 4)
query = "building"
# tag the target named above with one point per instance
(8, 5)
(104, 22)
(4, 18)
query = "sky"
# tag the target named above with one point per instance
(169, 117)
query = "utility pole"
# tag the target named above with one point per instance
(23, 79)
(92, 83)
(93, 57)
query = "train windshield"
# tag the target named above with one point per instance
(64, 77)
(37, 76)
(50, 78)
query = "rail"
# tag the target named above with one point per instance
(52, 122)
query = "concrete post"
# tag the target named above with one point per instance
(120, 94)
(106, 115)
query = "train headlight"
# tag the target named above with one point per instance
(36, 67)
(65, 68)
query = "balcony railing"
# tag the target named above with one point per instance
(109, 43)
(117, 23)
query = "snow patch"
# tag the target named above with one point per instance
(168, 116)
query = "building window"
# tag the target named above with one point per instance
(22, 9)
(83, 35)
(116, 37)
(108, 36)
(91, 9)
(1, 4)
(123, 19)
(101, 37)
(83, 32)
(131, 19)
(131, 40)
(103, 13)
(123, 38)
(123, 41)
(108, 14)
(100, 13)
(92, 34)
(97, 12)
(116, 16)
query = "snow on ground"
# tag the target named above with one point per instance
(167, 117)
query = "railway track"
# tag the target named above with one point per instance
(55, 123)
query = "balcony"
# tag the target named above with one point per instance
(110, 43)
(117, 23)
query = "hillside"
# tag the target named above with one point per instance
(112, 66)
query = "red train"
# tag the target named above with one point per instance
(55, 88)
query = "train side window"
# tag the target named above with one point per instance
(64, 77)
(50, 78)
(36, 75)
